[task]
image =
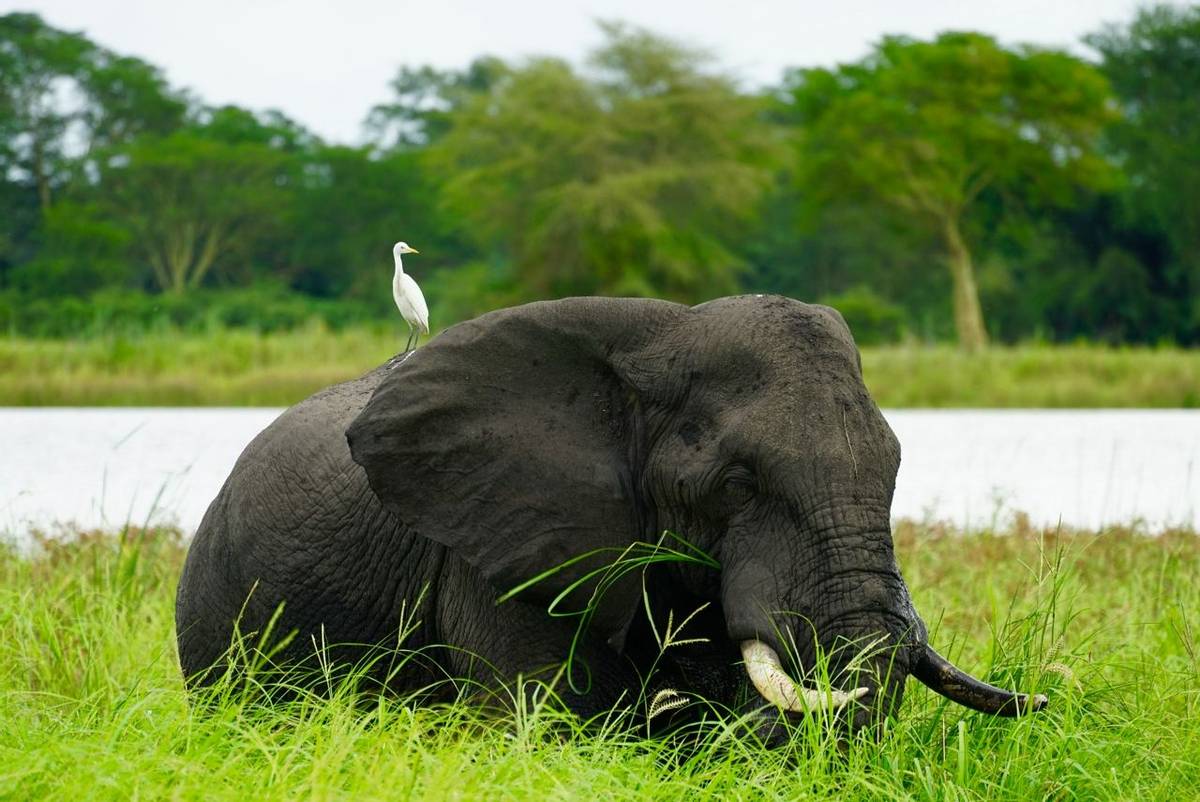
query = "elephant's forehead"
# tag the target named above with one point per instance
(789, 416)
(766, 373)
(779, 334)
(794, 373)
(794, 405)
(773, 317)
(831, 442)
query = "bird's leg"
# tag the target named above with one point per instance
(408, 344)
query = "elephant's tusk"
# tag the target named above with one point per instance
(958, 686)
(773, 683)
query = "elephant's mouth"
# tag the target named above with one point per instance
(772, 682)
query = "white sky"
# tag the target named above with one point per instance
(326, 63)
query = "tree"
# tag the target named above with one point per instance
(1154, 67)
(926, 128)
(35, 60)
(125, 98)
(425, 100)
(634, 178)
(350, 207)
(82, 250)
(188, 201)
(272, 129)
(59, 91)
(63, 100)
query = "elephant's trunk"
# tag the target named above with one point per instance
(774, 685)
(957, 685)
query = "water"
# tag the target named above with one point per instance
(98, 466)
(1081, 467)
(103, 467)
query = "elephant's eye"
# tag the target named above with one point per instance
(739, 474)
(739, 484)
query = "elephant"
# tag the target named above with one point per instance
(513, 456)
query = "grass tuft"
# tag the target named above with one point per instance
(1108, 623)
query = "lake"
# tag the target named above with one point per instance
(106, 466)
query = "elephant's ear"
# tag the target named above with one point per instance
(513, 440)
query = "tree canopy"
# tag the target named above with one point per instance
(1154, 67)
(916, 188)
(632, 178)
(61, 92)
(928, 127)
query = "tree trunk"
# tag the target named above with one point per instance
(40, 178)
(158, 264)
(180, 247)
(208, 255)
(968, 316)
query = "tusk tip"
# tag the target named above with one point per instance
(945, 678)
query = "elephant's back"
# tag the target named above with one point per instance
(295, 523)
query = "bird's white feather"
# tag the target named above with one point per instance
(410, 301)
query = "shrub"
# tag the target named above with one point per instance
(871, 318)
(261, 307)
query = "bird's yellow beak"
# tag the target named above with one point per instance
(412, 250)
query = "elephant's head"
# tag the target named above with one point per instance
(531, 435)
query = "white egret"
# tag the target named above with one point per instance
(409, 299)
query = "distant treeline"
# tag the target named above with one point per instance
(953, 188)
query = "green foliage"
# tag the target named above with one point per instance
(469, 290)
(63, 102)
(633, 180)
(1154, 67)
(85, 252)
(34, 58)
(426, 100)
(618, 563)
(645, 171)
(872, 319)
(236, 126)
(93, 705)
(347, 211)
(926, 127)
(266, 307)
(189, 202)
(112, 100)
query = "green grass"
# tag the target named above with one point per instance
(230, 367)
(1033, 376)
(240, 367)
(91, 703)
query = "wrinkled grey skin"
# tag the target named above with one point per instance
(518, 440)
